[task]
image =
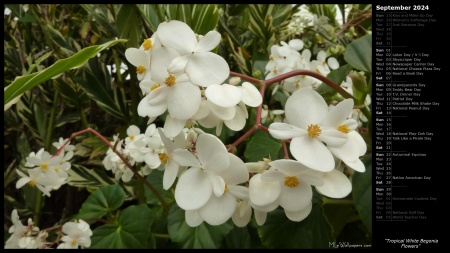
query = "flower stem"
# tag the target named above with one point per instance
(136, 173)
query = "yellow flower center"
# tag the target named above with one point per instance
(226, 188)
(155, 86)
(147, 44)
(132, 137)
(163, 157)
(271, 58)
(140, 69)
(275, 71)
(44, 166)
(314, 130)
(344, 128)
(56, 170)
(170, 80)
(32, 183)
(74, 242)
(297, 85)
(291, 182)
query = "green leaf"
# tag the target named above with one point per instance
(359, 53)
(153, 14)
(262, 145)
(27, 82)
(156, 180)
(338, 216)
(129, 26)
(337, 76)
(204, 18)
(97, 83)
(81, 176)
(104, 200)
(244, 237)
(131, 231)
(312, 232)
(362, 193)
(203, 236)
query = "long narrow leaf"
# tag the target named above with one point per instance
(24, 83)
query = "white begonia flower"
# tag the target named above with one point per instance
(355, 147)
(167, 157)
(299, 215)
(43, 181)
(134, 133)
(201, 180)
(218, 209)
(78, 234)
(203, 67)
(61, 142)
(175, 93)
(296, 182)
(322, 65)
(25, 237)
(233, 117)
(37, 155)
(140, 59)
(305, 111)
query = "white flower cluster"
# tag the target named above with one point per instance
(31, 237)
(179, 74)
(48, 172)
(286, 58)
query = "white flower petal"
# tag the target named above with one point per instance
(336, 185)
(178, 64)
(208, 42)
(237, 123)
(193, 189)
(299, 215)
(242, 215)
(263, 193)
(251, 95)
(172, 127)
(224, 95)
(321, 56)
(296, 44)
(21, 182)
(185, 158)
(207, 68)
(202, 112)
(223, 113)
(260, 217)
(218, 209)
(161, 58)
(217, 182)
(170, 174)
(333, 137)
(238, 191)
(183, 101)
(157, 96)
(333, 63)
(133, 130)
(212, 153)
(210, 121)
(237, 172)
(272, 176)
(193, 218)
(283, 131)
(357, 165)
(338, 114)
(358, 139)
(295, 198)
(312, 153)
(170, 32)
(305, 107)
(349, 151)
(137, 57)
(267, 208)
(289, 167)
